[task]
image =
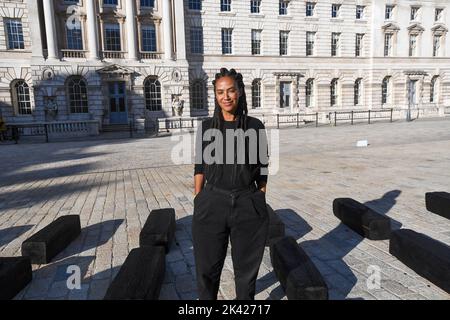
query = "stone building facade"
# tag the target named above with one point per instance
(118, 60)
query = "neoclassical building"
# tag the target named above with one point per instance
(113, 61)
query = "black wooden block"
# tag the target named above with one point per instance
(438, 203)
(141, 276)
(362, 219)
(276, 227)
(44, 245)
(15, 274)
(426, 256)
(159, 229)
(296, 272)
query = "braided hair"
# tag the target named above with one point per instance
(240, 117)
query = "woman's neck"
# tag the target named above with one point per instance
(228, 116)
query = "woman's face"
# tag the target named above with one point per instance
(227, 94)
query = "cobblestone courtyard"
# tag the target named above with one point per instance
(114, 184)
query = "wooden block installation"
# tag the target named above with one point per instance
(426, 256)
(141, 276)
(296, 272)
(15, 274)
(438, 203)
(276, 227)
(362, 219)
(44, 245)
(159, 229)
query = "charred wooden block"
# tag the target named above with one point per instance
(296, 272)
(15, 274)
(140, 277)
(159, 229)
(438, 203)
(44, 245)
(276, 227)
(362, 219)
(426, 256)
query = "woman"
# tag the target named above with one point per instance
(230, 195)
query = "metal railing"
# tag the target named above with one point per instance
(360, 115)
(447, 110)
(165, 124)
(27, 130)
(297, 118)
(68, 53)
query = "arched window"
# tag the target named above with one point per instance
(385, 90)
(198, 97)
(21, 97)
(334, 92)
(357, 91)
(152, 92)
(309, 93)
(77, 94)
(434, 89)
(256, 93)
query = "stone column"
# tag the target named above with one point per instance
(50, 28)
(131, 29)
(92, 30)
(35, 29)
(167, 28)
(179, 27)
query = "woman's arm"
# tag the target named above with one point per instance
(199, 179)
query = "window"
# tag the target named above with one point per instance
(227, 44)
(196, 40)
(149, 38)
(284, 38)
(387, 44)
(152, 93)
(112, 37)
(414, 13)
(360, 12)
(14, 33)
(225, 5)
(310, 9)
(309, 93)
(438, 14)
(310, 36)
(77, 95)
(110, 2)
(436, 45)
(385, 90)
(335, 10)
(21, 96)
(335, 44)
(283, 7)
(334, 92)
(357, 92)
(358, 44)
(285, 94)
(149, 3)
(255, 6)
(412, 45)
(256, 93)
(389, 12)
(195, 4)
(198, 90)
(433, 91)
(256, 42)
(74, 36)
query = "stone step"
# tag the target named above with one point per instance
(298, 275)
(44, 245)
(362, 219)
(15, 274)
(140, 277)
(428, 257)
(159, 229)
(438, 203)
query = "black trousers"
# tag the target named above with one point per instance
(240, 217)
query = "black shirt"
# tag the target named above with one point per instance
(226, 174)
